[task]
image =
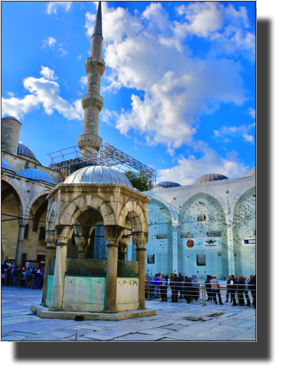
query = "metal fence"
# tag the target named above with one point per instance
(20, 279)
(240, 294)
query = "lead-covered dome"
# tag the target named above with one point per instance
(210, 177)
(5, 165)
(251, 173)
(98, 175)
(24, 150)
(36, 174)
(165, 185)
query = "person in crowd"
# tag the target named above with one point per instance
(227, 289)
(252, 288)
(163, 288)
(180, 287)
(246, 291)
(28, 276)
(241, 289)
(195, 286)
(208, 288)
(147, 287)
(157, 285)
(232, 286)
(176, 282)
(172, 285)
(187, 289)
(215, 289)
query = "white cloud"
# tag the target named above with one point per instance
(79, 57)
(62, 51)
(252, 112)
(225, 133)
(11, 94)
(189, 169)
(48, 73)
(84, 81)
(43, 92)
(144, 52)
(109, 117)
(224, 26)
(53, 6)
(49, 42)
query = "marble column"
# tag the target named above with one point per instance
(140, 239)
(175, 247)
(21, 230)
(230, 249)
(112, 235)
(50, 254)
(63, 234)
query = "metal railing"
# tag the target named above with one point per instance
(19, 279)
(238, 294)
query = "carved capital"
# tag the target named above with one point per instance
(113, 233)
(140, 239)
(123, 243)
(63, 233)
(50, 238)
(82, 242)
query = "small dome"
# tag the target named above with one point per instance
(210, 177)
(251, 173)
(5, 164)
(98, 175)
(36, 174)
(24, 150)
(165, 185)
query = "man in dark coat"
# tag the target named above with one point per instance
(187, 289)
(180, 288)
(233, 285)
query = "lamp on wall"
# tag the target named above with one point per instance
(188, 235)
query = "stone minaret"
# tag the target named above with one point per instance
(89, 142)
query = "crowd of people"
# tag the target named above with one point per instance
(25, 277)
(188, 288)
(182, 287)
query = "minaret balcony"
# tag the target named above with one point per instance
(92, 100)
(94, 65)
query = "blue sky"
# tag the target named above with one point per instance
(178, 89)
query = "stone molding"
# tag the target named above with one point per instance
(92, 100)
(93, 65)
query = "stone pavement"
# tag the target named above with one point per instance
(173, 322)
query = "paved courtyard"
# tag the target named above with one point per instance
(173, 322)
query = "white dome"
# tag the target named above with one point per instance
(98, 175)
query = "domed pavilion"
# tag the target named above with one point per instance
(91, 196)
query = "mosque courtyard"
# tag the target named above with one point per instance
(172, 322)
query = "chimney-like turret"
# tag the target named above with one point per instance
(10, 128)
(92, 102)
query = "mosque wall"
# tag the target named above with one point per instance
(212, 220)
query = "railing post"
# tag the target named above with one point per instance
(203, 295)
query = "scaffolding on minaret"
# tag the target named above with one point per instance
(90, 150)
(70, 159)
